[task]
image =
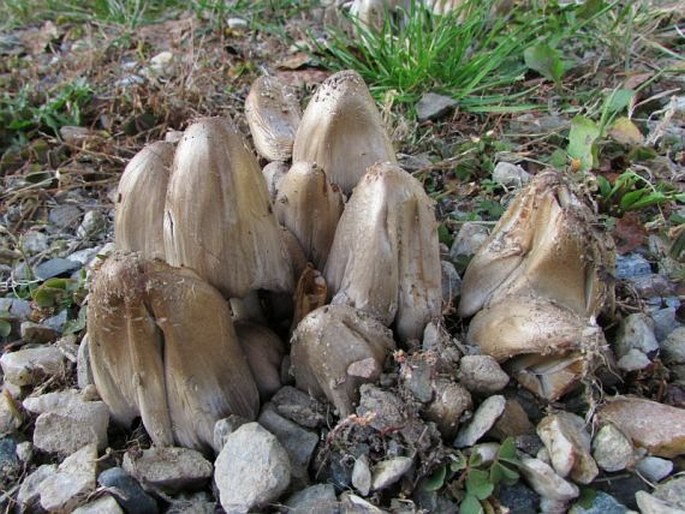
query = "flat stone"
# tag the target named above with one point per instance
(633, 360)
(654, 469)
(361, 475)
(169, 469)
(636, 332)
(602, 503)
(252, 469)
(451, 282)
(297, 441)
(612, 450)
(389, 471)
(104, 505)
(37, 333)
(29, 491)
(468, 240)
(56, 267)
(64, 216)
(73, 481)
(510, 176)
(15, 309)
(299, 407)
(225, 427)
(673, 347)
(665, 322)
(544, 481)
(31, 366)
(127, 492)
(483, 419)
(432, 106)
(631, 265)
(318, 498)
(84, 256)
(481, 374)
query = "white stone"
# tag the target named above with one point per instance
(104, 505)
(483, 419)
(650, 504)
(84, 371)
(510, 176)
(32, 365)
(73, 481)
(636, 331)
(10, 416)
(361, 475)
(468, 240)
(654, 469)
(389, 471)
(481, 374)
(673, 347)
(29, 491)
(611, 449)
(633, 360)
(544, 481)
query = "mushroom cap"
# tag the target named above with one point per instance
(342, 131)
(139, 209)
(264, 351)
(336, 349)
(219, 219)
(310, 207)
(162, 345)
(273, 116)
(385, 257)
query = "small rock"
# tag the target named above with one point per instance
(64, 216)
(513, 422)
(299, 407)
(518, 498)
(161, 65)
(361, 475)
(673, 347)
(92, 225)
(169, 469)
(297, 441)
(67, 422)
(127, 492)
(84, 371)
(417, 375)
(664, 322)
(483, 419)
(225, 427)
(672, 491)
(197, 503)
(622, 487)
(650, 504)
(451, 282)
(29, 491)
(73, 481)
(468, 240)
(389, 471)
(10, 465)
(633, 360)
(552, 506)
(412, 163)
(653, 286)
(10, 416)
(636, 332)
(654, 469)
(386, 410)
(432, 106)
(56, 267)
(611, 449)
(481, 374)
(353, 504)
(104, 505)
(319, 499)
(631, 265)
(36, 333)
(129, 80)
(602, 503)
(252, 469)
(510, 176)
(31, 366)
(234, 23)
(451, 401)
(544, 481)
(84, 256)
(33, 242)
(25, 451)
(14, 309)
(57, 321)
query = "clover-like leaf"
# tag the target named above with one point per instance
(435, 480)
(478, 484)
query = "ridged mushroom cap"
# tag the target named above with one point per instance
(336, 349)
(273, 116)
(342, 131)
(310, 207)
(139, 208)
(162, 346)
(218, 216)
(385, 256)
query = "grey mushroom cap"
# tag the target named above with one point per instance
(154, 336)
(336, 349)
(273, 115)
(219, 219)
(342, 131)
(139, 208)
(385, 257)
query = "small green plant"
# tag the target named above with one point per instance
(471, 480)
(631, 191)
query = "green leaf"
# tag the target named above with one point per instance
(501, 473)
(470, 505)
(47, 296)
(76, 325)
(630, 198)
(478, 484)
(582, 142)
(444, 235)
(5, 328)
(435, 480)
(558, 159)
(507, 449)
(619, 100)
(545, 60)
(590, 8)
(604, 186)
(458, 462)
(647, 200)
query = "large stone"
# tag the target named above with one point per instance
(432, 106)
(169, 469)
(73, 481)
(37, 333)
(483, 419)
(650, 504)
(127, 492)
(611, 449)
(31, 366)
(252, 469)
(481, 374)
(654, 469)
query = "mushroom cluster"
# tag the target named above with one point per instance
(223, 268)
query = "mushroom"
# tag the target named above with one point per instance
(273, 116)
(336, 349)
(264, 351)
(162, 346)
(310, 207)
(139, 208)
(385, 256)
(342, 131)
(218, 217)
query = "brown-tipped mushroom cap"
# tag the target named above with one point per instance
(139, 209)
(385, 255)
(218, 216)
(310, 208)
(273, 116)
(342, 131)
(546, 243)
(162, 346)
(336, 349)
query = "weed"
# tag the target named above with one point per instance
(631, 191)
